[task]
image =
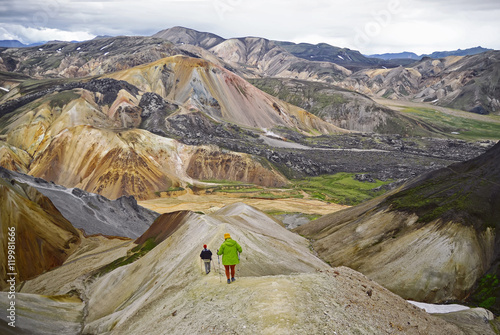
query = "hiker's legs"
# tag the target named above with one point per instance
(232, 271)
(226, 267)
(207, 267)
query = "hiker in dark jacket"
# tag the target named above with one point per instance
(229, 251)
(206, 256)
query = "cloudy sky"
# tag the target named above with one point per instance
(370, 26)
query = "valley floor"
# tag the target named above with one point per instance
(212, 203)
(400, 105)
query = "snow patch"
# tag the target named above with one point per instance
(4, 89)
(438, 309)
(106, 46)
(339, 56)
(269, 133)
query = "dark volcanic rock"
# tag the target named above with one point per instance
(479, 110)
(364, 178)
(155, 110)
(108, 87)
(92, 213)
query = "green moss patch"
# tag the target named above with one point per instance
(341, 188)
(487, 294)
(133, 255)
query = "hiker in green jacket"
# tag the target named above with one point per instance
(229, 251)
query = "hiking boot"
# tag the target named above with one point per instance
(232, 279)
(229, 281)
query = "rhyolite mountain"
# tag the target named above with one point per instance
(433, 240)
(257, 57)
(464, 82)
(137, 120)
(123, 159)
(467, 82)
(344, 108)
(470, 83)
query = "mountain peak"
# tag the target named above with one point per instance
(184, 35)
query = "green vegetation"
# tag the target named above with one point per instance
(341, 188)
(63, 98)
(430, 203)
(462, 197)
(133, 255)
(170, 189)
(310, 217)
(224, 182)
(315, 97)
(486, 294)
(447, 125)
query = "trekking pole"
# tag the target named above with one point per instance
(201, 265)
(239, 264)
(218, 259)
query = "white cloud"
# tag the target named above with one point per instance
(370, 26)
(29, 35)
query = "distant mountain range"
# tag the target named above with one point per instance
(436, 54)
(18, 44)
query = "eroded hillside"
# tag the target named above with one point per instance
(281, 288)
(432, 241)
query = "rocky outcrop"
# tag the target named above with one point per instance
(35, 236)
(431, 241)
(92, 213)
(198, 85)
(13, 159)
(209, 163)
